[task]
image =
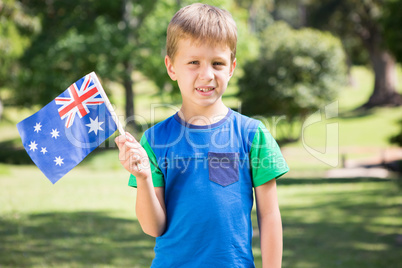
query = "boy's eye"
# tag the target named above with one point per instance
(193, 62)
(219, 63)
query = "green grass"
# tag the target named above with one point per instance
(87, 219)
(359, 91)
(341, 223)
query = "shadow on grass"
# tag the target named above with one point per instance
(352, 226)
(302, 181)
(356, 113)
(10, 153)
(73, 239)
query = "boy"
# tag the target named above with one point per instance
(195, 171)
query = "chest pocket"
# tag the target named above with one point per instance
(223, 168)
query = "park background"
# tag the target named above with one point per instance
(308, 69)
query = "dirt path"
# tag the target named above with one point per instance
(379, 163)
(375, 156)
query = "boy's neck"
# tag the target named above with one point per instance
(203, 115)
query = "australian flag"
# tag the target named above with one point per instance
(60, 135)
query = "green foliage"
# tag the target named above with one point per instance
(259, 13)
(153, 36)
(16, 28)
(355, 22)
(52, 66)
(298, 71)
(62, 52)
(79, 37)
(391, 23)
(69, 46)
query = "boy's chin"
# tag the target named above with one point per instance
(212, 104)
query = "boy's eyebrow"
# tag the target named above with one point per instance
(221, 58)
(217, 58)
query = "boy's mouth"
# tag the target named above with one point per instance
(204, 89)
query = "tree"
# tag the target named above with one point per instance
(80, 36)
(133, 20)
(114, 38)
(391, 23)
(16, 28)
(260, 14)
(362, 19)
(297, 72)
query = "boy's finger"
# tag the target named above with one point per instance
(131, 141)
(133, 145)
(126, 137)
(120, 140)
(130, 137)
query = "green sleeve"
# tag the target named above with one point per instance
(266, 159)
(157, 176)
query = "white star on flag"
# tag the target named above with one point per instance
(43, 150)
(94, 126)
(55, 133)
(33, 146)
(37, 127)
(59, 160)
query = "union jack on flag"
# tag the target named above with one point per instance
(56, 146)
(81, 94)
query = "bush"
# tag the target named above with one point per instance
(297, 72)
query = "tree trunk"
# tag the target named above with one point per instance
(349, 65)
(128, 88)
(1, 108)
(384, 93)
(128, 68)
(302, 10)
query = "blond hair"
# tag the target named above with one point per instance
(203, 24)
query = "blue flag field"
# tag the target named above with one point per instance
(60, 135)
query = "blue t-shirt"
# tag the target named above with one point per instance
(208, 173)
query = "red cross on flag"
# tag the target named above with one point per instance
(81, 95)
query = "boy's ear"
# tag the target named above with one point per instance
(170, 69)
(232, 68)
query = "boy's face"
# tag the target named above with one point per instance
(202, 72)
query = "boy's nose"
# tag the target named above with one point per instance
(206, 73)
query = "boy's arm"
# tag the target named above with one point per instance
(270, 224)
(150, 204)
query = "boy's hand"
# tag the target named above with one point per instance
(133, 156)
